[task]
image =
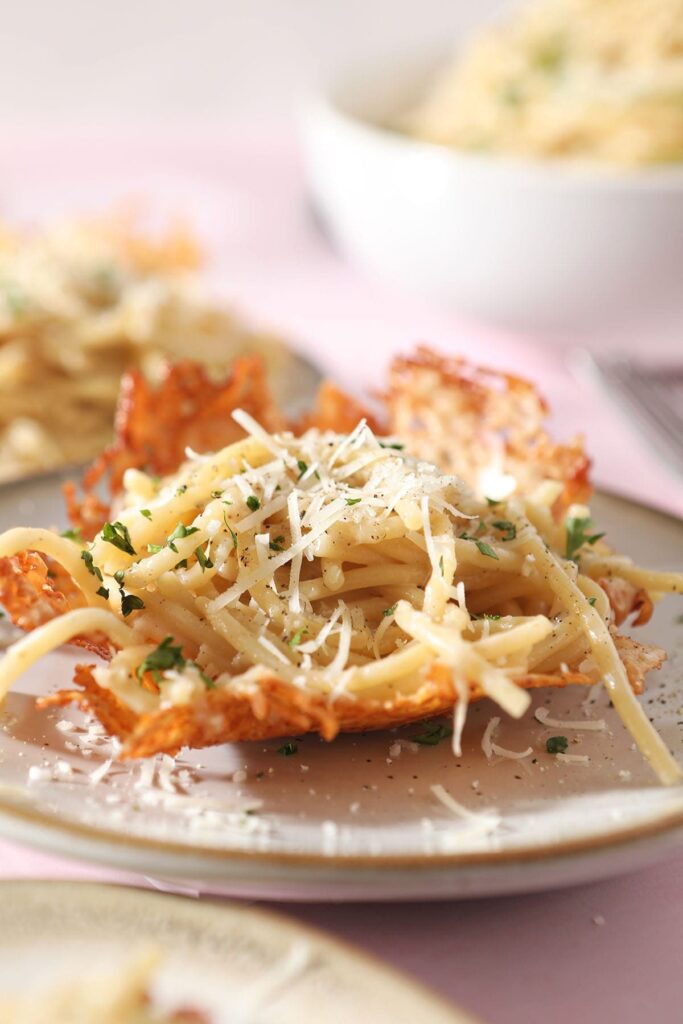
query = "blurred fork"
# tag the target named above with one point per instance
(652, 397)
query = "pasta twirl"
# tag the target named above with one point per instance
(331, 581)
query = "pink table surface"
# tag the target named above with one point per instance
(518, 960)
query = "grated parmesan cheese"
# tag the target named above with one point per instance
(542, 715)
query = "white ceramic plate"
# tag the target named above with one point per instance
(356, 818)
(235, 963)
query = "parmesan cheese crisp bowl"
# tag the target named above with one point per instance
(558, 246)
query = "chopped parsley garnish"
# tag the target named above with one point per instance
(154, 549)
(75, 535)
(486, 549)
(276, 544)
(492, 502)
(253, 503)
(483, 547)
(164, 657)
(486, 615)
(130, 603)
(432, 734)
(353, 501)
(557, 744)
(578, 535)
(146, 513)
(182, 564)
(102, 592)
(390, 611)
(394, 444)
(181, 490)
(117, 534)
(551, 54)
(297, 637)
(119, 576)
(302, 467)
(591, 601)
(287, 749)
(203, 559)
(216, 494)
(231, 531)
(441, 564)
(508, 529)
(90, 565)
(180, 531)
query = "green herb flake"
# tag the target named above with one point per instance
(164, 657)
(130, 603)
(507, 528)
(253, 503)
(591, 601)
(119, 576)
(287, 749)
(75, 535)
(146, 513)
(297, 637)
(486, 549)
(577, 535)
(181, 490)
(231, 531)
(483, 547)
(393, 444)
(511, 95)
(117, 535)
(216, 494)
(102, 592)
(203, 559)
(208, 682)
(180, 531)
(390, 611)
(551, 55)
(557, 744)
(302, 467)
(432, 734)
(154, 549)
(16, 299)
(90, 565)
(492, 502)
(276, 544)
(353, 501)
(441, 564)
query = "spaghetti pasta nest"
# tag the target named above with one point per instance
(333, 581)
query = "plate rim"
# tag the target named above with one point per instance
(215, 907)
(348, 865)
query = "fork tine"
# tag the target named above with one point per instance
(654, 401)
(649, 407)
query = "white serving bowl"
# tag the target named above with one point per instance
(535, 245)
